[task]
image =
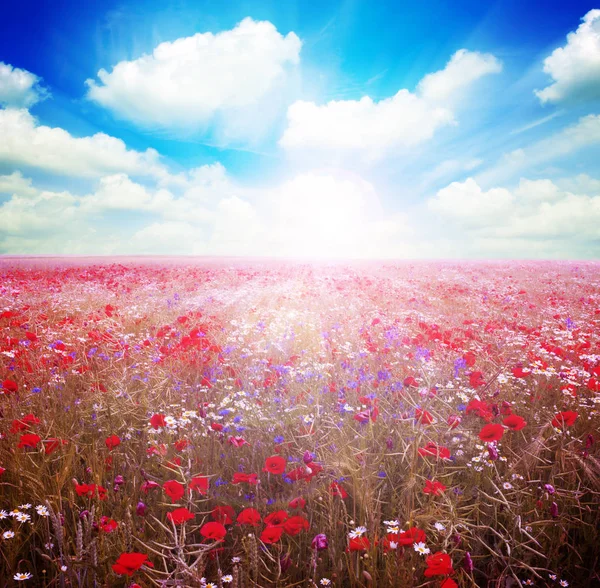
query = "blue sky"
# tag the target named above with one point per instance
(337, 129)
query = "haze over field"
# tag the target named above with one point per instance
(284, 129)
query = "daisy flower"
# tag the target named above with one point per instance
(19, 576)
(8, 534)
(563, 583)
(22, 517)
(227, 579)
(421, 548)
(439, 527)
(42, 510)
(325, 582)
(3, 514)
(358, 532)
(507, 486)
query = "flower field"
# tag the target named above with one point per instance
(178, 423)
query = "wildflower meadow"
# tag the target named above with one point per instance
(172, 422)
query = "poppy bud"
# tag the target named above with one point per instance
(285, 562)
(589, 441)
(468, 563)
(492, 452)
(320, 542)
(389, 442)
(554, 510)
(308, 457)
(140, 509)
(549, 488)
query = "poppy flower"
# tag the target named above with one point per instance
(180, 516)
(216, 427)
(563, 419)
(223, 514)
(158, 420)
(128, 563)
(148, 485)
(436, 488)
(480, 408)
(29, 440)
(276, 518)
(514, 422)
(476, 380)
(434, 450)
(249, 516)
(240, 477)
(214, 531)
(90, 490)
(337, 490)
(274, 465)
(492, 432)
(295, 524)
(112, 442)
(181, 444)
(199, 483)
(297, 502)
(174, 490)
(412, 535)
(108, 525)
(9, 387)
(438, 564)
(424, 417)
(238, 441)
(453, 421)
(448, 583)
(271, 534)
(320, 542)
(52, 444)
(24, 423)
(359, 544)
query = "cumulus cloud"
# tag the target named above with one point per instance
(375, 128)
(19, 88)
(202, 80)
(27, 143)
(575, 68)
(584, 133)
(533, 211)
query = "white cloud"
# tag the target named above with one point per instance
(19, 88)
(26, 143)
(536, 210)
(584, 133)
(15, 183)
(575, 68)
(466, 203)
(193, 82)
(374, 129)
(464, 68)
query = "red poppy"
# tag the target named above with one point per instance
(181, 444)
(128, 563)
(436, 488)
(337, 490)
(359, 544)
(424, 417)
(453, 421)
(563, 419)
(438, 564)
(52, 444)
(295, 524)
(108, 525)
(476, 380)
(29, 440)
(216, 427)
(199, 483)
(271, 534)
(90, 490)
(174, 490)
(480, 408)
(223, 514)
(158, 420)
(112, 442)
(240, 477)
(274, 465)
(148, 485)
(249, 516)
(180, 516)
(214, 531)
(432, 449)
(412, 535)
(514, 422)
(491, 432)
(8, 387)
(276, 518)
(297, 502)
(448, 583)
(238, 441)
(24, 423)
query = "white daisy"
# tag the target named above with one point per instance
(358, 532)
(8, 534)
(42, 510)
(421, 548)
(439, 527)
(20, 576)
